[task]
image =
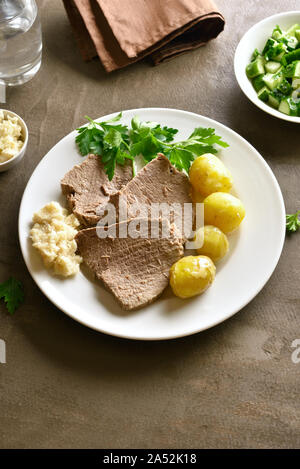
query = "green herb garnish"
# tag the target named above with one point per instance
(292, 222)
(115, 143)
(13, 293)
(149, 138)
(106, 139)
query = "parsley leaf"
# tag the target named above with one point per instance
(13, 294)
(292, 222)
(88, 138)
(108, 140)
(208, 137)
(115, 143)
(142, 129)
(180, 158)
(149, 138)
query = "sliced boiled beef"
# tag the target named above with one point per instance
(156, 183)
(135, 270)
(87, 187)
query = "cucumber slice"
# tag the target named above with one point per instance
(292, 70)
(291, 57)
(289, 107)
(297, 69)
(255, 68)
(293, 29)
(269, 45)
(279, 57)
(273, 80)
(263, 94)
(285, 87)
(284, 107)
(277, 33)
(296, 83)
(258, 83)
(272, 67)
(274, 50)
(255, 54)
(273, 101)
(292, 42)
(294, 107)
(268, 80)
(296, 98)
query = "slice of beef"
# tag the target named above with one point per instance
(135, 270)
(157, 182)
(88, 188)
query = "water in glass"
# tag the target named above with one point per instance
(20, 41)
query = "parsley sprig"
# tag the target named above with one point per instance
(149, 138)
(107, 140)
(292, 222)
(13, 294)
(115, 143)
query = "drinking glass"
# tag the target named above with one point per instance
(20, 41)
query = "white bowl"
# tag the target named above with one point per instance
(256, 37)
(15, 159)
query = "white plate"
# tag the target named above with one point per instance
(256, 37)
(254, 250)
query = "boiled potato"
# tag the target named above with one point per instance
(215, 243)
(208, 174)
(192, 275)
(224, 211)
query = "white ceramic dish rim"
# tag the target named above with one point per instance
(2, 165)
(243, 80)
(213, 323)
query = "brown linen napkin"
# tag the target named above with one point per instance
(124, 31)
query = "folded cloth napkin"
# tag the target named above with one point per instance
(121, 32)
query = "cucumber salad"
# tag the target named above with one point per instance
(275, 72)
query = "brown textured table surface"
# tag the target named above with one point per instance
(66, 386)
